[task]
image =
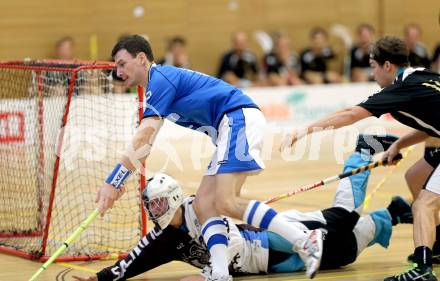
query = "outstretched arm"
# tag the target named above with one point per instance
(133, 159)
(336, 120)
(90, 278)
(153, 250)
(413, 137)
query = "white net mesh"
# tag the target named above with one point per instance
(98, 128)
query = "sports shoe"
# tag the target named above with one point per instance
(415, 273)
(435, 254)
(310, 251)
(210, 276)
(219, 278)
(400, 211)
(373, 144)
(435, 259)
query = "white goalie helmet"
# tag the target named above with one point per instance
(162, 197)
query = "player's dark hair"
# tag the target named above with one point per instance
(63, 40)
(392, 49)
(318, 30)
(410, 26)
(134, 44)
(176, 40)
(366, 26)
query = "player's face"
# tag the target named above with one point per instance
(365, 37)
(412, 36)
(318, 42)
(381, 73)
(65, 51)
(240, 42)
(283, 45)
(129, 68)
(158, 207)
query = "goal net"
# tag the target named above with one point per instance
(62, 130)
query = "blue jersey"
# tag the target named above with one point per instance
(191, 99)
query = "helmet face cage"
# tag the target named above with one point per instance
(156, 207)
(161, 198)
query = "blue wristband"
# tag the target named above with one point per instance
(118, 176)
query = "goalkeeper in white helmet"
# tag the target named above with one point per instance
(177, 233)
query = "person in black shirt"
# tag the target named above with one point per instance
(176, 53)
(281, 66)
(412, 96)
(416, 177)
(418, 55)
(239, 66)
(418, 173)
(360, 54)
(436, 59)
(314, 60)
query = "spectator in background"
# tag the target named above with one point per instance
(64, 48)
(281, 66)
(360, 54)
(314, 59)
(436, 59)
(176, 53)
(418, 55)
(57, 82)
(239, 66)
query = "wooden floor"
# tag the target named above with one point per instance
(279, 177)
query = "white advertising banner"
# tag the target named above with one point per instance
(282, 106)
(301, 105)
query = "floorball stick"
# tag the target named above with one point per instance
(66, 243)
(385, 178)
(333, 179)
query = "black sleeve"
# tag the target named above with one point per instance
(328, 54)
(436, 53)
(254, 64)
(154, 249)
(224, 66)
(353, 60)
(389, 100)
(270, 64)
(304, 65)
(161, 61)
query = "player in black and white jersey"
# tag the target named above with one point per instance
(412, 96)
(416, 177)
(177, 235)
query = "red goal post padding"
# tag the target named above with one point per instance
(62, 129)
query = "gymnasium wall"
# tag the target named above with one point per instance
(30, 28)
(283, 107)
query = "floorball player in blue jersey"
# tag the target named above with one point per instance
(235, 124)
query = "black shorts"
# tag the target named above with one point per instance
(432, 156)
(340, 245)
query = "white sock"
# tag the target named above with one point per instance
(215, 235)
(261, 215)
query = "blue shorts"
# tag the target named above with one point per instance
(239, 142)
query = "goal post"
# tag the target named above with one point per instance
(62, 129)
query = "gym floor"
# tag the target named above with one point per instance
(279, 177)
